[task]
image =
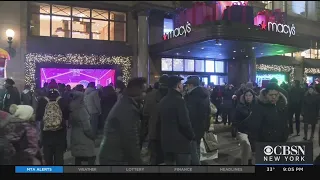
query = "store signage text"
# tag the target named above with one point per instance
(179, 31)
(238, 3)
(282, 28)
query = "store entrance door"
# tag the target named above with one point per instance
(204, 79)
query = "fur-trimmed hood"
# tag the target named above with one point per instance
(77, 100)
(314, 93)
(282, 98)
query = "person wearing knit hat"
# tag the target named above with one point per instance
(176, 134)
(295, 105)
(21, 130)
(54, 142)
(242, 114)
(163, 81)
(149, 115)
(24, 112)
(12, 95)
(53, 85)
(270, 116)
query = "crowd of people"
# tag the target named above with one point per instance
(171, 116)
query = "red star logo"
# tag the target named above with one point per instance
(165, 37)
(263, 25)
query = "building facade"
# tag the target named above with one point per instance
(127, 36)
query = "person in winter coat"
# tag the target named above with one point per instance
(12, 95)
(92, 102)
(26, 96)
(310, 112)
(268, 121)
(283, 91)
(54, 142)
(151, 114)
(176, 130)
(242, 114)
(216, 99)
(198, 104)
(108, 100)
(227, 105)
(121, 140)
(21, 137)
(120, 87)
(82, 139)
(295, 105)
(238, 93)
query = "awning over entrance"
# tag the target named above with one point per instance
(311, 63)
(226, 40)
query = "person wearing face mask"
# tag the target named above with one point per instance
(268, 122)
(121, 139)
(310, 112)
(176, 130)
(242, 114)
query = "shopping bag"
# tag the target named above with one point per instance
(204, 155)
(210, 141)
(213, 109)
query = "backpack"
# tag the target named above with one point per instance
(52, 119)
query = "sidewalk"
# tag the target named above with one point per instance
(229, 149)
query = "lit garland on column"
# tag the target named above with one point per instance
(277, 68)
(75, 59)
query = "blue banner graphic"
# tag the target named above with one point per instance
(39, 169)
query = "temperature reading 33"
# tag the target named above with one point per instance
(270, 169)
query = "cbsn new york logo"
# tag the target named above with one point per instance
(284, 153)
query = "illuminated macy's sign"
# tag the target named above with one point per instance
(179, 31)
(279, 28)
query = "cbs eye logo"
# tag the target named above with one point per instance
(268, 150)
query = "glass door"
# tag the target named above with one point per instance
(204, 79)
(218, 80)
(214, 80)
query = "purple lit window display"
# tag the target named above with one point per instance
(73, 77)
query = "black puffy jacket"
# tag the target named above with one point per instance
(268, 122)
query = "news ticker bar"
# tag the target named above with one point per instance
(135, 169)
(260, 168)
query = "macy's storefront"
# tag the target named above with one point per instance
(227, 51)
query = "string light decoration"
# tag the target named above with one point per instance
(305, 77)
(32, 59)
(277, 68)
(312, 70)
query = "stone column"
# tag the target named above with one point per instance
(244, 71)
(252, 69)
(143, 43)
(233, 71)
(298, 73)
